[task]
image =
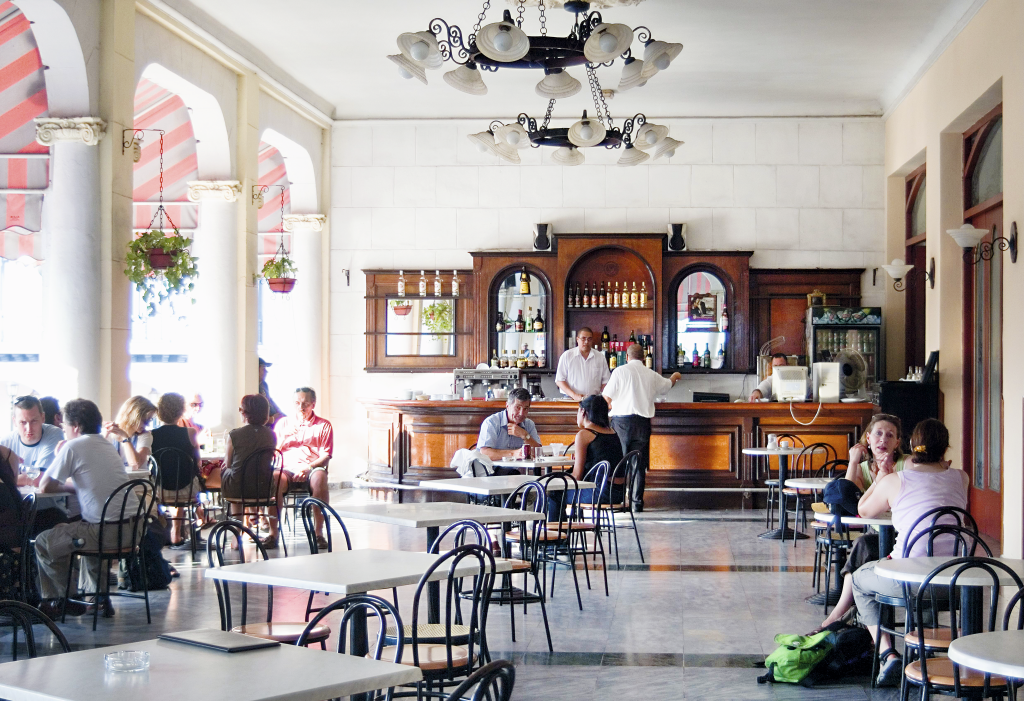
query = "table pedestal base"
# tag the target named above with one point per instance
(782, 534)
(819, 598)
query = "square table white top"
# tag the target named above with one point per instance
(493, 485)
(432, 514)
(998, 652)
(916, 569)
(533, 463)
(345, 571)
(283, 673)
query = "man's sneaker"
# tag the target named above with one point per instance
(321, 543)
(891, 671)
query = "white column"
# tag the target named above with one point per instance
(72, 280)
(217, 347)
(307, 296)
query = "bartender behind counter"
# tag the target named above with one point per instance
(765, 388)
(582, 371)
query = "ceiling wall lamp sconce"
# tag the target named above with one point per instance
(898, 270)
(976, 250)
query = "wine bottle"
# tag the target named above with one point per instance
(680, 356)
(632, 337)
(615, 297)
(586, 296)
(649, 357)
(524, 282)
(538, 322)
(643, 295)
(401, 283)
(438, 285)
(499, 325)
(455, 283)
(605, 338)
(724, 323)
(705, 361)
(696, 356)
(634, 297)
(423, 283)
(520, 322)
(570, 300)
(602, 297)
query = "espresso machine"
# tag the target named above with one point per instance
(471, 383)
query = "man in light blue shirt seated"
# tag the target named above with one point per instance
(505, 432)
(33, 440)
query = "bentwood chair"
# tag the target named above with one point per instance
(586, 521)
(260, 477)
(222, 537)
(940, 674)
(625, 474)
(443, 664)
(365, 605)
(20, 557)
(803, 466)
(493, 682)
(773, 483)
(19, 616)
(122, 527)
(554, 538)
(173, 466)
(529, 496)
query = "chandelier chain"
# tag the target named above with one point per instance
(520, 10)
(480, 17)
(543, 19)
(600, 104)
(547, 115)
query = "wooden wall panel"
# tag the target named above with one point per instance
(691, 452)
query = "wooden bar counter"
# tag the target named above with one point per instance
(693, 446)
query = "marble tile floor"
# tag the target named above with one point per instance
(693, 622)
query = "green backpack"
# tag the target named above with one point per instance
(796, 656)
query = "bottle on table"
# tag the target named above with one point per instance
(456, 283)
(401, 283)
(423, 283)
(438, 285)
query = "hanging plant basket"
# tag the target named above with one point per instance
(281, 284)
(159, 259)
(161, 266)
(401, 308)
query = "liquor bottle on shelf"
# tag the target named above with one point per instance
(401, 283)
(705, 361)
(503, 360)
(632, 337)
(423, 283)
(456, 283)
(649, 357)
(538, 322)
(542, 360)
(643, 295)
(494, 358)
(520, 322)
(500, 325)
(724, 323)
(586, 296)
(605, 338)
(680, 356)
(615, 298)
(571, 298)
(521, 360)
(438, 285)
(531, 359)
(524, 282)
(696, 356)
(721, 356)
(613, 360)
(602, 298)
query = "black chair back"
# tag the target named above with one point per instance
(174, 470)
(21, 617)
(495, 681)
(948, 514)
(599, 475)
(557, 487)
(371, 605)
(126, 511)
(833, 469)
(803, 466)
(308, 509)
(990, 571)
(965, 541)
(460, 531)
(220, 537)
(258, 479)
(626, 471)
(529, 496)
(1015, 601)
(482, 568)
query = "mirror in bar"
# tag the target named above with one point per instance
(420, 327)
(702, 322)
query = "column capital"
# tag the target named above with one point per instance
(304, 221)
(85, 130)
(210, 190)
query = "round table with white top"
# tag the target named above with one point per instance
(816, 484)
(783, 531)
(971, 582)
(883, 522)
(998, 652)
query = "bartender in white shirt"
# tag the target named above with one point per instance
(765, 388)
(582, 371)
(630, 395)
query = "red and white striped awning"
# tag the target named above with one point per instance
(274, 174)
(24, 164)
(158, 108)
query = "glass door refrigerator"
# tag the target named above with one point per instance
(832, 330)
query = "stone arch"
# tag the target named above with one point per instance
(299, 165)
(67, 86)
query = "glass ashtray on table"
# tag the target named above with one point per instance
(126, 661)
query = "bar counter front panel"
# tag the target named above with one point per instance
(692, 445)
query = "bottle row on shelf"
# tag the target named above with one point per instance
(514, 358)
(520, 324)
(587, 295)
(700, 360)
(438, 284)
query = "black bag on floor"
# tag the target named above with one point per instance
(158, 570)
(850, 657)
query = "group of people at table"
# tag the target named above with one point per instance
(82, 457)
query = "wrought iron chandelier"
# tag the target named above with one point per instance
(504, 44)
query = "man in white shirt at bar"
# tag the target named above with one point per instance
(582, 371)
(630, 394)
(765, 388)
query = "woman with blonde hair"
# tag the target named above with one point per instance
(128, 428)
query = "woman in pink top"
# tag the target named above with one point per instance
(925, 483)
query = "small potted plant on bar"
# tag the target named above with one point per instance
(279, 272)
(160, 265)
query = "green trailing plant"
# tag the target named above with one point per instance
(437, 317)
(279, 267)
(159, 285)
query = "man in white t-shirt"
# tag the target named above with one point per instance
(764, 389)
(630, 394)
(88, 466)
(33, 440)
(582, 371)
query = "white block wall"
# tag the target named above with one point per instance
(800, 193)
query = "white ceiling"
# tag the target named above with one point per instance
(741, 57)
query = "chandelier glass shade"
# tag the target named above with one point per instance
(409, 69)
